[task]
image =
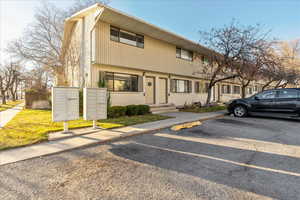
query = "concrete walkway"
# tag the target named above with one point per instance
(83, 137)
(7, 115)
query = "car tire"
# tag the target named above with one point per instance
(240, 111)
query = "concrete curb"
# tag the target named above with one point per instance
(113, 139)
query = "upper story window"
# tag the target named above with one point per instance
(184, 54)
(204, 60)
(126, 37)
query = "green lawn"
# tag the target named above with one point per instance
(9, 105)
(204, 109)
(32, 126)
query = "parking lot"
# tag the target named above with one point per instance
(226, 158)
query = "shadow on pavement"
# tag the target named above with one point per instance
(262, 173)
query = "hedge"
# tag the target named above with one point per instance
(116, 111)
(130, 110)
(143, 109)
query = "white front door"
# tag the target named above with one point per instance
(163, 90)
(150, 90)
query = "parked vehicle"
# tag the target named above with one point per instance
(271, 103)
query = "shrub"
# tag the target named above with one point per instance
(116, 111)
(143, 109)
(132, 110)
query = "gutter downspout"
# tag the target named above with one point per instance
(93, 51)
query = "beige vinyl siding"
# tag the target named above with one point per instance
(74, 48)
(156, 56)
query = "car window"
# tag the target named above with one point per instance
(288, 94)
(267, 95)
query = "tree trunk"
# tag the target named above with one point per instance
(243, 91)
(3, 97)
(12, 94)
(209, 89)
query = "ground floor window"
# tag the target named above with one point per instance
(250, 91)
(200, 87)
(226, 89)
(181, 86)
(236, 89)
(119, 82)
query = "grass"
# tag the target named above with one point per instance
(204, 109)
(9, 105)
(33, 126)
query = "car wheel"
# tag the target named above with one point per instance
(239, 111)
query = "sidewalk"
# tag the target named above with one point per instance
(7, 115)
(83, 137)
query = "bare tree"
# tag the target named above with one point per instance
(15, 86)
(289, 52)
(251, 64)
(279, 77)
(235, 46)
(8, 76)
(42, 40)
(285, 68)
(37, 78)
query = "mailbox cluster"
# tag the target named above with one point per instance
(65, 104)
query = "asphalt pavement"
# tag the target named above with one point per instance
(226, 158)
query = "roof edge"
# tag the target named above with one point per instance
(83, 12)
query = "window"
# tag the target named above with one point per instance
(236, 89)
(226, 89)
(256, 89)
(267, 95)
(114, 34)
(181, 86)
(184, 54)
(288, 94)
(200, 87)
(197, 87)
(121, 82)
(126, 37)
(250, 90)
(204, 60)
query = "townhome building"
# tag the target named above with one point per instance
(139, 63)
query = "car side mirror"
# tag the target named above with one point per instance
(256, 98)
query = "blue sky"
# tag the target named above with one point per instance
(185, 17)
